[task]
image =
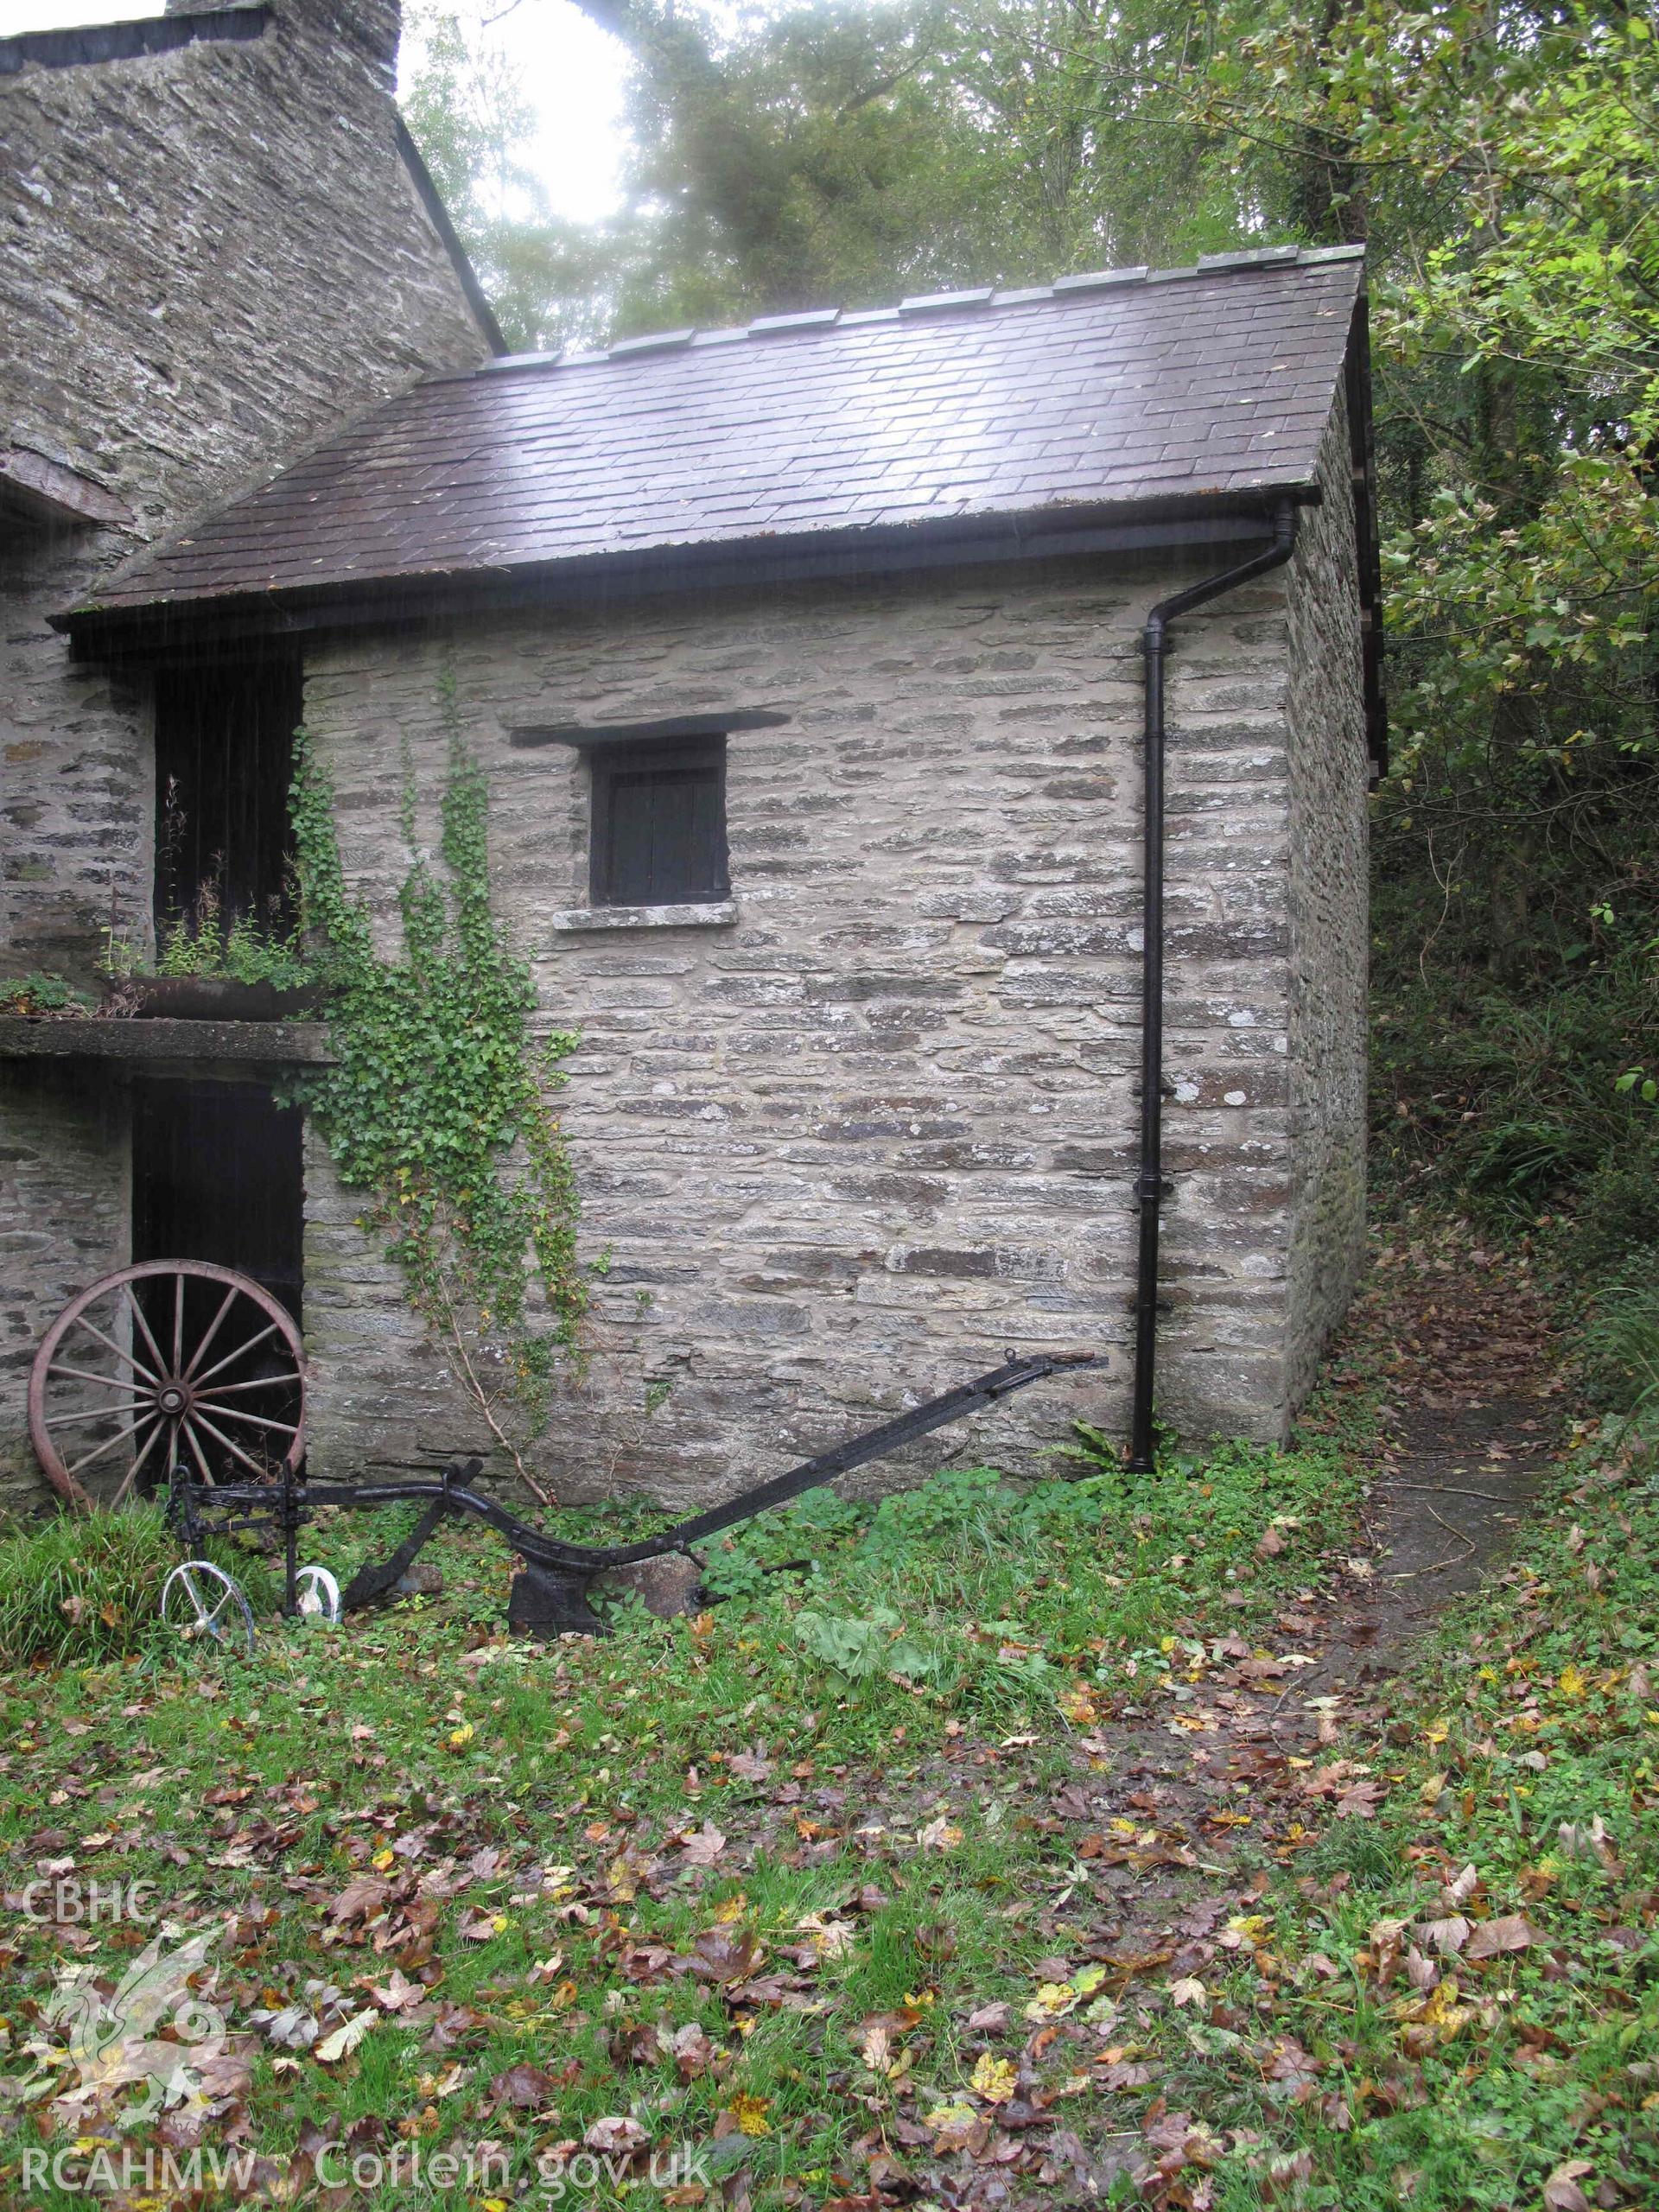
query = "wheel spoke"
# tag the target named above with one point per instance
(132, 1475)
(103, 1448)
(96, 1381)
(241, 1352)
(207, 1471)
(200, 1351)
(109, 1344)
(260, 1382)
(138, 1316)
(257, 1420)
(192, 1591)
(86, 1374)
(96, 1413)
(236, 1451)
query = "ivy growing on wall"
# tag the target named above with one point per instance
(438, 1101)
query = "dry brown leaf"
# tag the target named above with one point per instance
(1512, 1931)
(1561, 2190)
(616, 2133)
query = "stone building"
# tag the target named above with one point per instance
(813, 666)
(217, 244)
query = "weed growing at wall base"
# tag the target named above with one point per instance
(438, 1104)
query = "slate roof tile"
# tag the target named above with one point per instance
(1110, 388)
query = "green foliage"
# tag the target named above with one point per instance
(547, 280)
(1499, 163)
(833, 154)
(437, 1102)
(862, 1646)
(200, 944)
(41, 992)
(1621, 1348)
(81, 1586)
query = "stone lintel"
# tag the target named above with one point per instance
(45, 491)
(145, 1042)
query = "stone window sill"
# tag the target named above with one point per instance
(716, 913)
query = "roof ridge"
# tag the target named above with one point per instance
(1248, 258)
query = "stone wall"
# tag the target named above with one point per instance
(65, 1207)
(843, 1152)
(1329, 908)
(212, 257)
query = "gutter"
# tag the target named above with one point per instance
(1150, 1187)
(168, 625)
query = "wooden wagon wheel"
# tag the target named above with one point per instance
(170, 1361)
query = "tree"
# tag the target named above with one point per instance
(547, 281)
(1501, 160)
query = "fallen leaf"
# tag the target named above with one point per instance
(346, 2039)
(957, 2126)
(1512, 1932)
(690, 2049)
(398, 1994)
(1448, 1936)
(359, 1900)
(1462, 1886)
(1561, 2190)
(993, 2079)
(525, 2088)
(616, 2133)
(939, 1835)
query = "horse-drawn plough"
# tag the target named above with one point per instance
(186, 1380)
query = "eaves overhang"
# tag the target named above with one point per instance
(166, 628)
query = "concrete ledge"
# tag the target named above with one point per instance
(281, 1044)
(717, 914)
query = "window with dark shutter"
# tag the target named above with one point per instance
(659, 824)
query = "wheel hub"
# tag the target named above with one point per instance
(172, 1398)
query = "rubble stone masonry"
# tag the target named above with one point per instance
(840, 1151)
(209, 258)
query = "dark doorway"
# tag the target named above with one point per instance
(217, 1175)
(224, 760)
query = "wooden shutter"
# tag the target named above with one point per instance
(659, 826)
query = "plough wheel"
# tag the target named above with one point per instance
(170, 1361)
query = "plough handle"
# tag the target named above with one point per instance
(543, 1550)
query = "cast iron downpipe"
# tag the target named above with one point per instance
(1149, 1183)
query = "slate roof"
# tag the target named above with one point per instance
(1176, 390)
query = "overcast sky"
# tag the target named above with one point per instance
(572, 71)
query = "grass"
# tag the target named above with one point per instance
(876, 1734)
(802, 1882)
(82, 1587)
(1525, 1747)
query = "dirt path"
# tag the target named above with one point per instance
(1470, 1425)
(1244, 1762)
